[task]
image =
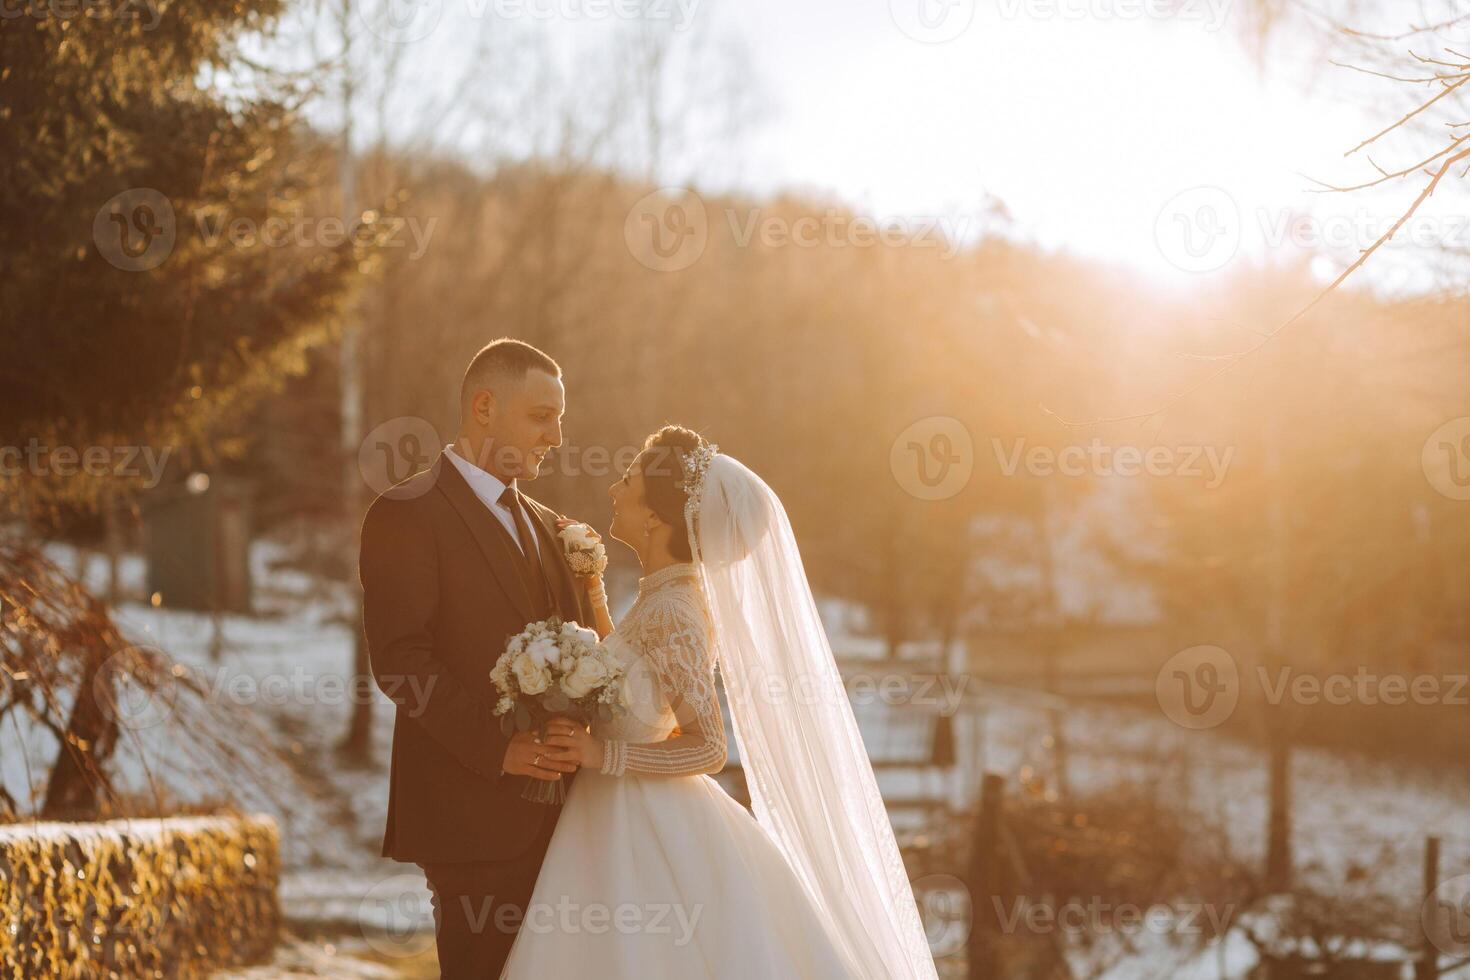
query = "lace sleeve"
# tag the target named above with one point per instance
(675, 636)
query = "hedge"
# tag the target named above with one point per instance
(163, 898)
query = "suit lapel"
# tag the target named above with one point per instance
(495, 544)
(558, 572)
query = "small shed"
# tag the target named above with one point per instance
(198, 543)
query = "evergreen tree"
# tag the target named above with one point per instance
(169, 246)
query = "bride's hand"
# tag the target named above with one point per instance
(592, 584)
(566, 733)
(566, 522)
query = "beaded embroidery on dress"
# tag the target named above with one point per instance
(669, 651)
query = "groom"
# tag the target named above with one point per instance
(454, 562)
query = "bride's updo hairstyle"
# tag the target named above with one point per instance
(662, 473)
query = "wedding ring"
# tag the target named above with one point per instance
(536, 761)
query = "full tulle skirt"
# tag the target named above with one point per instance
(653, 877)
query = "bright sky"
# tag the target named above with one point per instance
(1085, 126)
(1150, 141)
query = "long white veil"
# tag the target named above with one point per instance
(811, 784)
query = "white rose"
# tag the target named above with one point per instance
(517, 644)
(543, 651)
(578, 536)
(587, 636)
(588, 673)
(532, 676)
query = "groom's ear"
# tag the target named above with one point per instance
(482, 406)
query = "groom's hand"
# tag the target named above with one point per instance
(529, 755)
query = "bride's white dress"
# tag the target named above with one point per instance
(654, 871)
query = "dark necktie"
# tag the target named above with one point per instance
(530, 549)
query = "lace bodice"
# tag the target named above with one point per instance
(673, 725)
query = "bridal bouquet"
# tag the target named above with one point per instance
(554, 668)
(583, 550)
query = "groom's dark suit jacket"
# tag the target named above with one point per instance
(444, 588)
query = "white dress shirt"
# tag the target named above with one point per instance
(488, 488)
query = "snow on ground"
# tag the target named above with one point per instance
(1348, 811)
(285, 672)
(284, 669)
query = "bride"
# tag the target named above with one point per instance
(653, 870)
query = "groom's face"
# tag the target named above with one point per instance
(524, 425)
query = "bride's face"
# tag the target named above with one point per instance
(632, 518)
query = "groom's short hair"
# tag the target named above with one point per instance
(502, 360)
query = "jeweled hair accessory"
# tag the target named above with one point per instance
(695, 465)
